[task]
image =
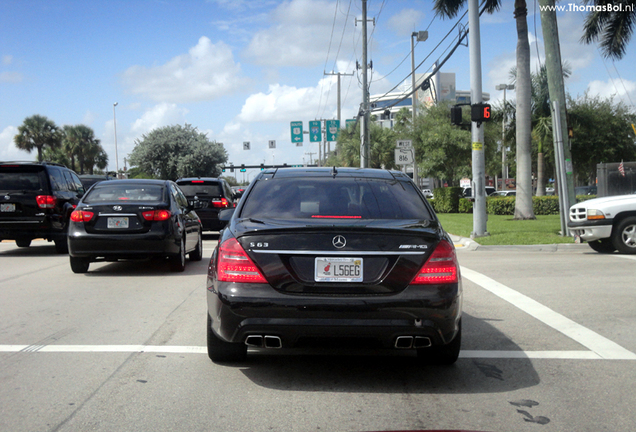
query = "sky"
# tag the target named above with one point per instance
(242, 70)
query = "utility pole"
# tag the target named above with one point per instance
(364, 125)
(339, 74)
(310, 154)
(557, 94)
(479, 161)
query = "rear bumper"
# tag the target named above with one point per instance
(210, 220)
(29, 230)
(122, 246)
(241, 310)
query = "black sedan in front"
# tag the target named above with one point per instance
(317, 255)
(130, 219)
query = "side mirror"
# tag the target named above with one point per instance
(226, 214)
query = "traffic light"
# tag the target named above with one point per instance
(456, 115)
(480, 112)
(262, 167)
(243, 168)
(223, 169)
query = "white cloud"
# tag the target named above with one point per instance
(613, 89)
(405, 22)
(299, 35)
(8, 150)
(10, 77)
(89, 118)
(164, 114)
(573, 52)
(208, 71)
(7, 60)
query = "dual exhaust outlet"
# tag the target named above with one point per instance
(409, 342)
(263, 341)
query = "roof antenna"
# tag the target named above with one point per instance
(334, 172)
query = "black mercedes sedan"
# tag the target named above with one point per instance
(322, 255)
(129, 219)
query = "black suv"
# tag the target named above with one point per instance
(214, 194)
(36, 201)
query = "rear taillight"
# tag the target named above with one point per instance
(46, 201)
(441, 267)
(235, 266)
(156, 215)
(81, 216)
(220, 203)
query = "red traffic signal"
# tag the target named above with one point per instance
(480, 112)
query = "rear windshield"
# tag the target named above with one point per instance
(346, 198)
(201, 188)
(104, 192)
(14, 179)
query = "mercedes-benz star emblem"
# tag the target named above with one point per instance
(117, 208)
(339, 241)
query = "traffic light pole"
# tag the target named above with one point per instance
(477, 132)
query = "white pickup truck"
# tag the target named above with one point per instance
(607, 224)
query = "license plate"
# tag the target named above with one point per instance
(8, 208)
(338, 269)
(117, 222)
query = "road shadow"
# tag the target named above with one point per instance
(360, 370)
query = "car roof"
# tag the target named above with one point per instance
(335, 171)
(189, 179)
(134, 181)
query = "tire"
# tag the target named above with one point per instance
(624, 235)
(602, 245)
(61, 246)
(80, 265)
(178, 262)
(23, 243)
(444, 355)
(224, 352)
(197, 253)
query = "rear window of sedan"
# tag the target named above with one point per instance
(201, 188)
(346, 198)
(103, 192)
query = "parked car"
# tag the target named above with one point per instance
(36, 201)
(131, 219)
(468, 192)
(214, 194)
(320, 254)
(89, 180)
(428, 193)
(607, 224)
(503, 193)
(585, 190)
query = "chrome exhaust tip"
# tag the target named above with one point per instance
(422, 342)
(273, 342)
(254, 341)
(404, 342)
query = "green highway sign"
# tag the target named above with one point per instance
(351, 122)
(333, 126)
(297, 131)
(315, 133)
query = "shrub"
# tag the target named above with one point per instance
(500, 206)
(465, 206)
(447, 199)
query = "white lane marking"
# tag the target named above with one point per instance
(629, 257)
(156, 349)
(600, 345)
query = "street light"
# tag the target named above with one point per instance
(504, 167)
(421, 36)
(116, 156)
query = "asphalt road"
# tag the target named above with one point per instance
(548, 346)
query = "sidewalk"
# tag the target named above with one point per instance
(471, 245)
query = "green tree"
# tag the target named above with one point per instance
(381, 151)
(443, 150)
(37, 132)
(177, 151)
(602, 133)
(611, 28)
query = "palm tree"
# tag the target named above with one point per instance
(523, 202)
(612, 29)
(71, 143)
(37, 132)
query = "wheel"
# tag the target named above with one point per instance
(61, 246)
(23, 243)
(624, 235)
(602, 245)
(79, 264)
(221, 351)
(444, 354)
(178, 262)
(197, 253)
